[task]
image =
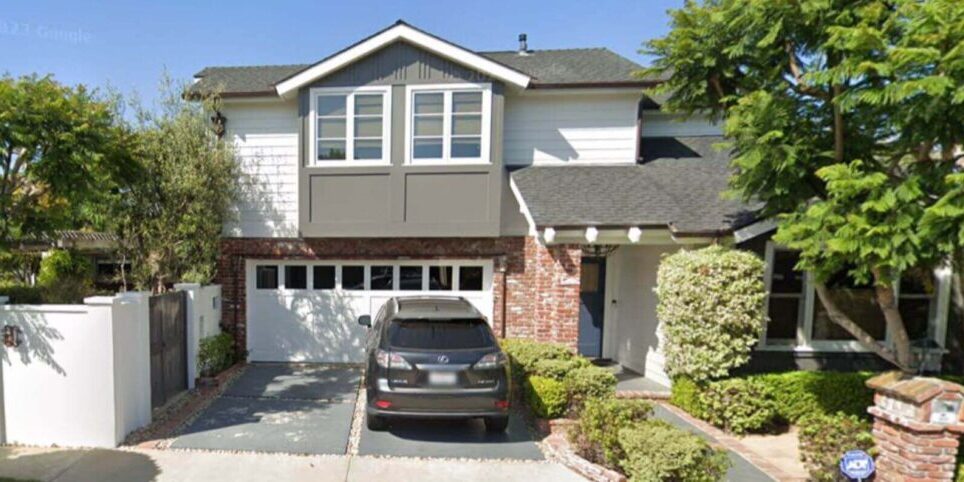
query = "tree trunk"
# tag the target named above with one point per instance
(840, 318)
(895, 324)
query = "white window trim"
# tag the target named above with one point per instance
(447, 90)
(805, 342)
(350, 92)
(366, 265)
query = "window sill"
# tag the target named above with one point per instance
(447, 162)
(343, 164)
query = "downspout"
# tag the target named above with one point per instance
(505, 293)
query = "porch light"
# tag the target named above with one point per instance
(634, 234)
(549, 234)
(592, 234)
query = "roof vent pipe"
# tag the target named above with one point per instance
(523, 44)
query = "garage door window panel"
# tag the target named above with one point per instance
(440, 278)
(296, 277)
(382, 278)
(353, 278)
(470, 278)
(267, 277)
(410, 278)
(324, 277)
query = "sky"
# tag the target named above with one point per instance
(130, 45)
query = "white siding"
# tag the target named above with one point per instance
(658, 124)
(553, 128)
(266, 138)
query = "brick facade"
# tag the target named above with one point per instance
(537, 287)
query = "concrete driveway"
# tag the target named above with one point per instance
(294, 409)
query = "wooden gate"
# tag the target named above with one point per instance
(168, 346)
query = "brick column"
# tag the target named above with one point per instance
(917, 423)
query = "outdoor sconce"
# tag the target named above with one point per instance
(11, 336)
(219, 122)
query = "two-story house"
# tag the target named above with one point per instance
(542, 185)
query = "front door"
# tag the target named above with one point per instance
(592, 302)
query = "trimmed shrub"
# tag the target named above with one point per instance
(685, 394)
(65, 277)
(546, 396)
(739, 405)
(711, 304)
(215, 354)
(524, 354)
(22, 294)
(656, 451)
(799, 394)
(583, 384)
(596, 436)
(824, 438)
(558, 369)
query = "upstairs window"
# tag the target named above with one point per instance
(350, 127)
(448, 124)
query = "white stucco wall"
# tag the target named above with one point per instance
(81, 377)
(265, 135)
(203, 320)
(632, 335)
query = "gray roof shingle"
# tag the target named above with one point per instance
(564, 67)
(679, 186)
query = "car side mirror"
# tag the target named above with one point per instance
(365, 320)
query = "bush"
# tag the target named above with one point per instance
(546, 396)
(739, 405)
(596, 436)
(711, 304)
(524, 354)
(799, 394)
(22, 294)
(65, 277)
(656, 451)
(558, 369)
(216, 354)
(583, 384)
(824, 438)
(686, 395)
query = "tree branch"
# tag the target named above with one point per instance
(841, 319)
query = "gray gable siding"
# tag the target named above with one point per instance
(401, 200)
(400, 63)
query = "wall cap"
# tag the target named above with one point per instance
(913, 389)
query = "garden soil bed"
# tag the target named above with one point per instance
(557, 448)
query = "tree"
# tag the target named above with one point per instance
(60, 147)
(844, 117)
(170, 218)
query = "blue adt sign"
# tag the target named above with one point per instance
(856, 464)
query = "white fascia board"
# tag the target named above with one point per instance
(523, 208)
(411, 35)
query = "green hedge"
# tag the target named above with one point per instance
(558, 369)
(583, 384)
(739, 405)
(685, 394)
(799, 394)
(22, 294)
(524, 354)
(656, 451)
(215, 354)
(546, 396)
(596, 435)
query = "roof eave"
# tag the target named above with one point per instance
(401, 31)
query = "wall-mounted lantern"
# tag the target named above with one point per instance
(12, 336)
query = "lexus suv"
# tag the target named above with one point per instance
(434, 357)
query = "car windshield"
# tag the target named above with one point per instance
(440, 334)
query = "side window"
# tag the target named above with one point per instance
(266, 277)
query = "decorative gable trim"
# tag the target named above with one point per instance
(401, 31)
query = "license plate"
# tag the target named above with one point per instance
(442, 378)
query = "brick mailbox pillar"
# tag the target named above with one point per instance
(917, 423)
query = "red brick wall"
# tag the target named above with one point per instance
(541, 284)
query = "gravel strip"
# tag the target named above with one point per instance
(357, 419)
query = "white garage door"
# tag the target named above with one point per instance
(307, 311)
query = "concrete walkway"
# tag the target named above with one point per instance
(65, 465)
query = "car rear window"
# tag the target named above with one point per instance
(440, 334)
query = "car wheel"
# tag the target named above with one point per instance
(375, 423)
(496, 424)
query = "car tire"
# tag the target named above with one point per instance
(375, 423)
(496, 424)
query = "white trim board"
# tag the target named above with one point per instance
(414, 36)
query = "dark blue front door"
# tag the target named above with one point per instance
(592, 302)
